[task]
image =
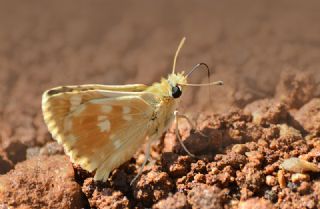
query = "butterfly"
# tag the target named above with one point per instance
(102, 126)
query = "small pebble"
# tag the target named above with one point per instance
(271, 180)
(273, 145)
(239, 148)
(286, 130)
(298, 165)
(200, 178)
(254, 155)
(214, 170)
(263, 142)
(281, 179)
(299, 177)
(269, 169)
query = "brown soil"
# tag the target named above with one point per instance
(266, 52)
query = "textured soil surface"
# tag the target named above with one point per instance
(259, 139)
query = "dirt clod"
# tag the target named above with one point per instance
(309, 116)
(267, 111)
(176, 201)
(37, 183)
(206, 197)
(152, 187)
(5, 164)
(295, 88)
(255, 203)
(100, 197)
(176, 165)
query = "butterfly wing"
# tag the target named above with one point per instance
(99, 129)
(96, 87)
(58, 102)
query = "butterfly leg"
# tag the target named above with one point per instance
(147, 156)
(191, 124)
(176, 116)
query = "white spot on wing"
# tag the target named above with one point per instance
(97, 101)
(127, 117)
(126, 110)
(117, 144)
(75, 101)
(104, 125)
(106, 108)
(102, 117)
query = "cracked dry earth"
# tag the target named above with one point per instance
(259, 145)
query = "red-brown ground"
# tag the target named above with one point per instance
(266, 52)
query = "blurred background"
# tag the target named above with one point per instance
(247, 44)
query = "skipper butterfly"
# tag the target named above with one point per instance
(102, 126)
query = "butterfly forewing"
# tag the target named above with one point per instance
(58, 102)
(99, 129)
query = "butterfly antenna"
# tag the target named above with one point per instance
(177, 53)
(197, 66)
(209, 89)
(216, 83)
(208, 70)
(219, 83)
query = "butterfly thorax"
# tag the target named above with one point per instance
(166, 104)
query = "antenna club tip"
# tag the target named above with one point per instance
(220, 83)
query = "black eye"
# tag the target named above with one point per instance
(176, 92)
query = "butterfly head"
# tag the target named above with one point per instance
(172, 87)
(176, 82)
